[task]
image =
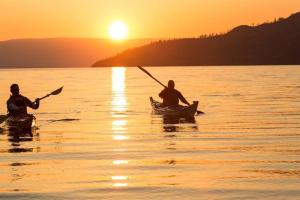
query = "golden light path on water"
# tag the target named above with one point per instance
(119, 101)
(119, 122)
(99, 140)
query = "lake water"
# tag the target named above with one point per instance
(99, 140)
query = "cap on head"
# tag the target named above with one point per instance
(171, 84)
(14, 89)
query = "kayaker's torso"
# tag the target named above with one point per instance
(170, 96)
(17, 105)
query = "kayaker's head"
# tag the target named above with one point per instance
(14, 89)
(171, 84)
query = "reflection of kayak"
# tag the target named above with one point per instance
(20, 123)
(175, 110)
(181, 123)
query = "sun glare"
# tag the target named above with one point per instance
(118, 30)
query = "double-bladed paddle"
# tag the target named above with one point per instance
(55, 92)
(148, 73)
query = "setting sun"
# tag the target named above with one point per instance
(118, 30)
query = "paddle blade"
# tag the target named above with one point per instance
(3, 118)
(58, 91)
(144, 70)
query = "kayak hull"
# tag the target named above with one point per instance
(22, 123)
(174, 110)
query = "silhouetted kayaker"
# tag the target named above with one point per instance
(17, 104)
(171, 96)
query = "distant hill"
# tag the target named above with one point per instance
(60, 52)
(272, 43)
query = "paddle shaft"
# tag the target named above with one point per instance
(148, 73)
(44, 97)
(158, 81)
(55, 92)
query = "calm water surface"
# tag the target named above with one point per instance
(99, 140)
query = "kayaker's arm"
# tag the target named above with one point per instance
(37, 103)
(162, 94)
(182, 99)
(34, 105)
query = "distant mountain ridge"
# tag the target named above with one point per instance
(60, 52)
(275, 43)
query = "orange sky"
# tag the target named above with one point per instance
(155, 18)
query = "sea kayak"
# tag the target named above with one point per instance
(174, 110)
(20, 123)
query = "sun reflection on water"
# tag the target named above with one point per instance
(120, 184)
(120, 162)
(119, 177)
(119, 126)
(119, 181)
(120, 137)
(119, 123)
(119, 101)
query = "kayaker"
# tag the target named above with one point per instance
(171, 96)
(17, 104)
